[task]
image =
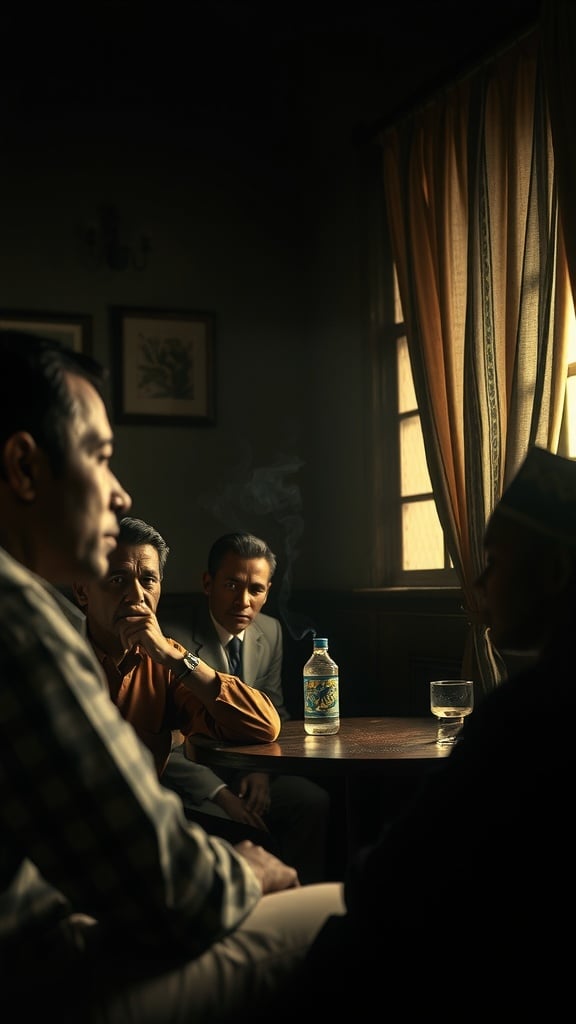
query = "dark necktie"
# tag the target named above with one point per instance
(235, 656)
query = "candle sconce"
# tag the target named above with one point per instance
(104, 243)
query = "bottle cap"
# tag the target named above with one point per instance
(320, 641)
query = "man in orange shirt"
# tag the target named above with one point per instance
(156, 684)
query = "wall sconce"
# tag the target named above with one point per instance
(102, 243)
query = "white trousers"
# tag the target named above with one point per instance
(249, 964)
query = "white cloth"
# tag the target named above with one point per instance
(235, 973)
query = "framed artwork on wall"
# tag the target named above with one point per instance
(163, 366)
(72, 329)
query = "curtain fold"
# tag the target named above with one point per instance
(471, 198)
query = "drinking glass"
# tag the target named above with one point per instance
(450, 701)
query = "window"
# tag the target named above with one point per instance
(418, 556)
(422, 557)
(423, 547)
(475, 221)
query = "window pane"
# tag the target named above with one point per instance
(398, 314)
(414, 476)
(571, 329)
(422, 538)
(571, 416)
(406, 393)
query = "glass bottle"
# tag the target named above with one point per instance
(321, 695)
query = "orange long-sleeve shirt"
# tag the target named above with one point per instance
(148, 697)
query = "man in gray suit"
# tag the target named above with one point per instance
(296, 810)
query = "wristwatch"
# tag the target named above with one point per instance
(190, 663)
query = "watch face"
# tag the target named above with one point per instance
(191, 661)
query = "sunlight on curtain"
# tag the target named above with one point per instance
(471, 200)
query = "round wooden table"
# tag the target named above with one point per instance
(372, 754)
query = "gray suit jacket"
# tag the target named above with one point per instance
(261, 653)
(261, 667)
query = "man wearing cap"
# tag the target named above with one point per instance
(471, 883)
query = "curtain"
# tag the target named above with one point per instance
(470, 194)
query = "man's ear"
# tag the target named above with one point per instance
(20, 464)
(206, 582)
(80, 595)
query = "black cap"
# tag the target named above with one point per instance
(542, 495)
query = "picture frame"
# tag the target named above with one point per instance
(163, 366)
(72, 329)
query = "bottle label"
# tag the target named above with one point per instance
(321, 696)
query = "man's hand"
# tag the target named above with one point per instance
(238, 810)
(141, 627)
(272, 873)
(254, 790)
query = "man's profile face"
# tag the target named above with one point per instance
(132, 579)
(237, 591)
(518, 585)
(77, 510)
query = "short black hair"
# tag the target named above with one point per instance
(136, 531)
(34, 392)
(245, 544)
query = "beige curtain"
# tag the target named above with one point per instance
(471, 200)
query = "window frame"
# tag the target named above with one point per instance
(388, 330)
